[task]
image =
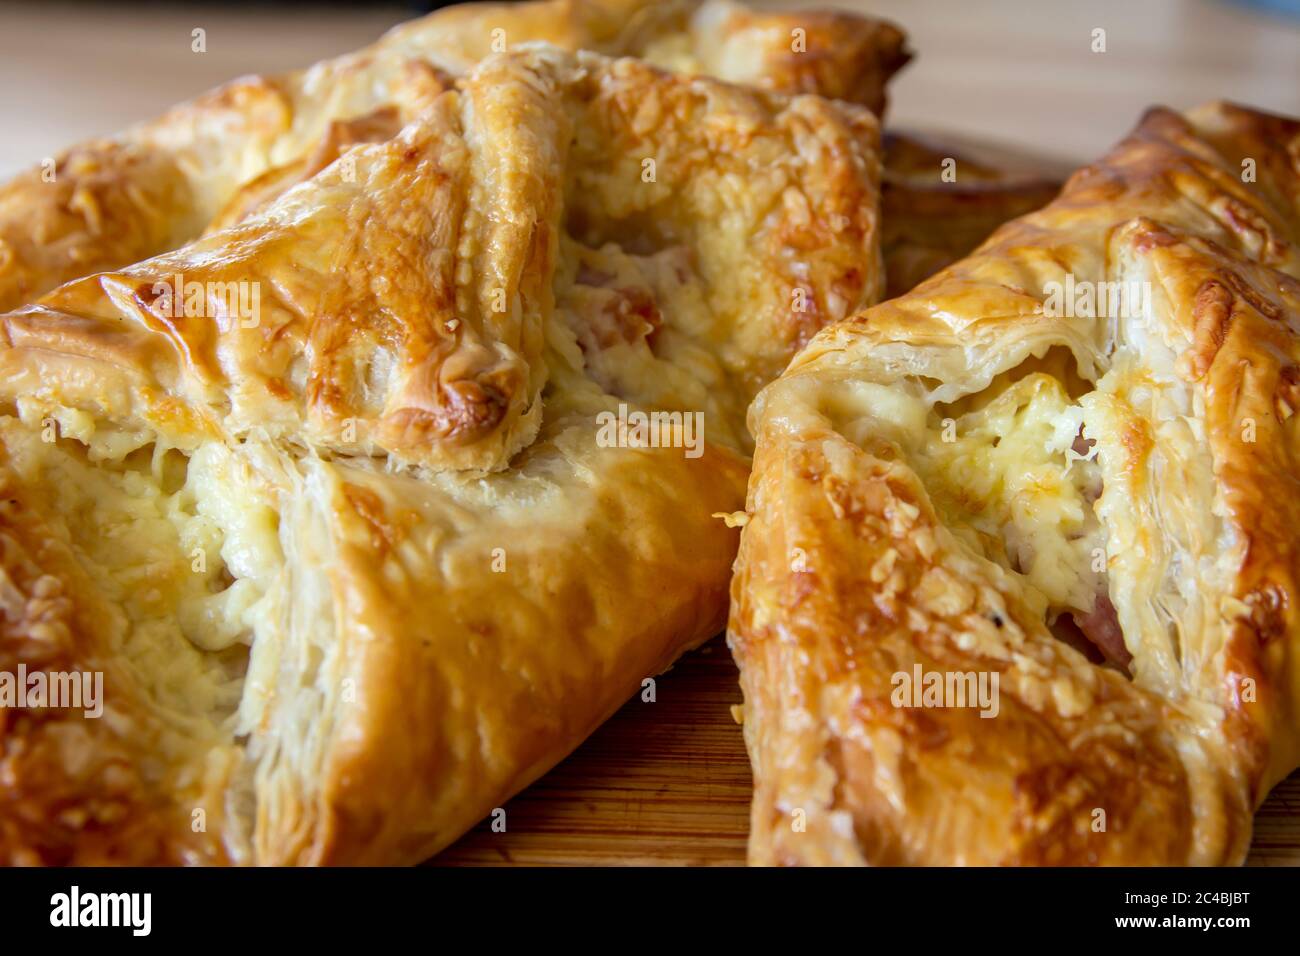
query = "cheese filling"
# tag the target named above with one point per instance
(1015, 474)
(186, 547)
(1011, 477)
(643, 326)
(219, 615)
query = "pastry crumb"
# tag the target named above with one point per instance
(733, 519)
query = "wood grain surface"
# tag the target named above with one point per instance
(667, 783)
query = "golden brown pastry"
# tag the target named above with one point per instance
(928, 222)
(331, 499)
(1019, 581)
(106, 203)
(831, 53)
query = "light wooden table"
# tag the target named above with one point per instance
(669, 782)
(1022, 71)
(73, 70)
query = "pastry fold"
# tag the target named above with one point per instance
(1055, 485)
(347, 503)
(106, 203)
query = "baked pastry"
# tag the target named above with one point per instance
(929, 221)
(830, 53)
(833, 53)
(107, 203)
(1019, 581)
(159, 185)
(110, 202)
(335, 499)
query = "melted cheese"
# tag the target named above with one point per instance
(681, 370)
(1007, 472)
(1001, 471)
(224, 493)
(186, 550)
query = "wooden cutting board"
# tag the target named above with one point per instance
(668, 783)
(663, 783)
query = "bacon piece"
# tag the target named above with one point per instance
(1101, 627)
(625, 313)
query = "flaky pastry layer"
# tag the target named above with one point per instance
(107, 203)
(1067, 462)
(331, 499)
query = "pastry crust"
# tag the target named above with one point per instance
(107, 203)
(831, 53)
(362, 563)
(929, 222)
(946, 480)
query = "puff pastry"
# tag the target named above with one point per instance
(107, 203)
(358, 570)
(928, 222)
(976, 480)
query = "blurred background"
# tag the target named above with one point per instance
(1015, 72)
